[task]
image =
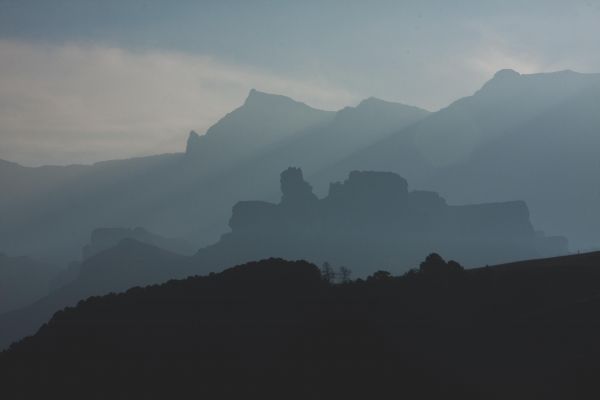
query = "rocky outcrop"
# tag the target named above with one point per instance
(294, 189)
(371, 221)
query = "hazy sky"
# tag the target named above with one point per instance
(82, 80)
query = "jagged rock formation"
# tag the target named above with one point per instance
(371, 221)
(295, 191)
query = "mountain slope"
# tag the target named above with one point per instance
(530, 137)
(550, 161)
(507, 101)
(261, 122)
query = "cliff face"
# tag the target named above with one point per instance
(372, 221)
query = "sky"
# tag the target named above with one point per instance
(83, 81)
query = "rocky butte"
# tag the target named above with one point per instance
(372, 221)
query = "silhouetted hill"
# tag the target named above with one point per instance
(371, 221)
(105, 238)
(23, 280)
(276, 329)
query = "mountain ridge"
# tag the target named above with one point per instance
(167, 190)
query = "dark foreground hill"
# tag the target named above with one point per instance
(277, 329)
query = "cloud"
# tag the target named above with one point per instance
(75, 103)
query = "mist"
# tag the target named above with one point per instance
(321, 199)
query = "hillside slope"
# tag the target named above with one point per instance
(276, 329)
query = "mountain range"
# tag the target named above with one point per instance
(50, 211)
(520, 137)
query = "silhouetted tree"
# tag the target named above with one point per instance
(435, 266)
(380, 276)
(454, 267)
(345, 274)
(327, 273)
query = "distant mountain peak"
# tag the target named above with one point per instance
(501, 80)
(567, 75)
(258, 99)
(253, 95)
(262, 120)
(375, 108)
(372, 102)
(506, 73)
